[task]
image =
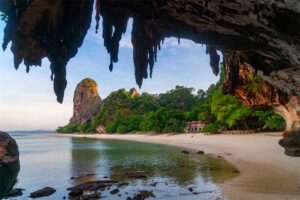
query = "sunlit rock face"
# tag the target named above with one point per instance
(9, 163)
(133, 92)
(87, 102)
(262, 34)
(291, 113)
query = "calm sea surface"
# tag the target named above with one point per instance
(52, 161)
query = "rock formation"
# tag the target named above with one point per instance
(255, 92)
(262, 34)
(44, 192)
(87, 102)
(133, 92)
(9, 163)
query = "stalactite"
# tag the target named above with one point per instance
(145, 43)
(14, 10)
(97, 17)
(214, 59)
(113, 28)
(140, 57)
(232, 62)
(151, 60)
(58, 27)
(58, 69)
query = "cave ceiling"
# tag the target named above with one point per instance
(262, 34)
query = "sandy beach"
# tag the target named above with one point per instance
(266, 172)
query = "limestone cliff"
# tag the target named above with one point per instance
(87, 102)
(9, 163)
(255, 92)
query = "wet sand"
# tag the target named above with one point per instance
(266, 172)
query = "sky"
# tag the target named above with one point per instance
(27, 101)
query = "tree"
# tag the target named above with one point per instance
(201, 94)
(271, 120)
(174, 121)
(180, 98)
(144, 103)
(133, 122)
(227, 109)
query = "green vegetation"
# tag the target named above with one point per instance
(253, 85)
(71, 128)
(123, 113)
(169, 112)
(270, 120)
(228, 110)
(211, 128)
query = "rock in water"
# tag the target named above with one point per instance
(47, 191)
(143, 194)
(9, 163)
(16, 192)
(87, 102)
(185, 152)
(114, 191)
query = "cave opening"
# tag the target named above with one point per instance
(250, 37)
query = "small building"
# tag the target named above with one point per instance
(195, 126)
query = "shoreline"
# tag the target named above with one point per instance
(265, 171)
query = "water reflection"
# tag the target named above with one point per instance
(142, 164)
(84, 160)
(52, 161)
(217, 170)
(8, 177)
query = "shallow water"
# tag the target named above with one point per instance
(52, 161)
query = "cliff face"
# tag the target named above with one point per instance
(262, 34)
(9, 163)
(255, 92)
(87, 102)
